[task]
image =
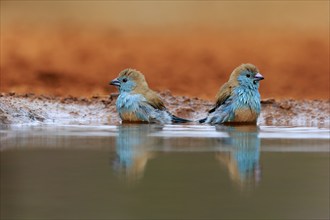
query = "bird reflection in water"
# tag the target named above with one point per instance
(133, 150)
(242, 157)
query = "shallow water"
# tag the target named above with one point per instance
(164, 172)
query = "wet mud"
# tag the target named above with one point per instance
(18, 109)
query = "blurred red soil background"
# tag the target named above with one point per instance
(80, 60)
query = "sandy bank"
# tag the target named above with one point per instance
(40, 109)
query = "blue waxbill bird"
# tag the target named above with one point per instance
(138, 103)
(238, 100)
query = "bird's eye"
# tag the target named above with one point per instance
(124, 80)
(248, 75)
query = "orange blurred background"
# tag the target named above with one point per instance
(77, 47)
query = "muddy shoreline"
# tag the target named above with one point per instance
(32, 109)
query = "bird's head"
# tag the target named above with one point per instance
(129, 80)
(246, 75)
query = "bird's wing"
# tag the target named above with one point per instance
(154, 100)
(223, 94)
(221, 114)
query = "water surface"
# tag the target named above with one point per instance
(164, 172)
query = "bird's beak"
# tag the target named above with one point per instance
(258, 77)
(115, 82)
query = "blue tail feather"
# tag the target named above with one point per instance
(202, 120)
(176, 119)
